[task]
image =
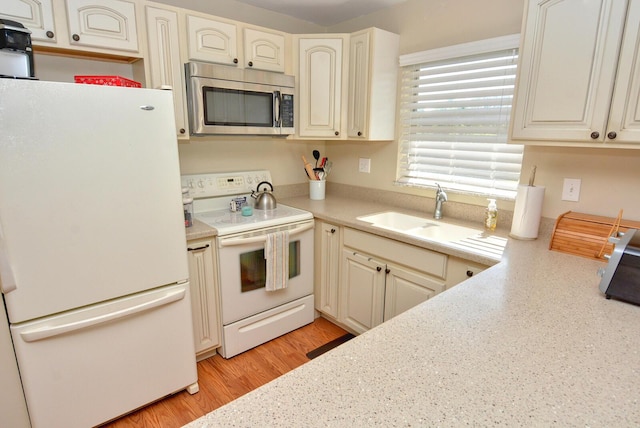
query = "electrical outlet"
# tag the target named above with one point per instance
(364, 165)
(571, 189)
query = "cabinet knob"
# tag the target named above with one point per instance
(50, 34)
(183, 131)
(469, 273)
(612, 135)
(333, 231)
(337, 133)
(359, 133)
(595, 135)
(75, 37)
(379, 268)
(387, 270)
(250, 64)
(235, 60)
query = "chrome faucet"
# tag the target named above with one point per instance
(441, 198)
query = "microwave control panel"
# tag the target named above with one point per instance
(286, 111)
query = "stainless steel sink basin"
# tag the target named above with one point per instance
(420, 227)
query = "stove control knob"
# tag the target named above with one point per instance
(201, 183)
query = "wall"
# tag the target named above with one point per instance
(246, 13)
(609, 177)
(221, 154)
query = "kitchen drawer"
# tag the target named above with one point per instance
(420, 259)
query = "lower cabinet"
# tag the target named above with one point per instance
(405, 289)
(327, 268)
(362, 299)
(363, 279)
(204, 297)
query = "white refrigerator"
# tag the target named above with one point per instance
(93, 265)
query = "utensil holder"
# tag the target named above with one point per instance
(317, 189)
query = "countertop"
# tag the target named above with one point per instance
(344, 211)
(528, 342)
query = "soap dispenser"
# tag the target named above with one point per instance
(491, 215)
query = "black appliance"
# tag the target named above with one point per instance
(16, 52)
(621, 277)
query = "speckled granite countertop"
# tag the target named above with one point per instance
(528, 342)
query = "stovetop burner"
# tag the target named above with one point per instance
(213, 193)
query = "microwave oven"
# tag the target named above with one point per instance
(228, 100)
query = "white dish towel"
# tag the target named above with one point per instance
(276, 253)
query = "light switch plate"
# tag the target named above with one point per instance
(571, 189)
(364, 165)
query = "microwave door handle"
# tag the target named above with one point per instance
(277, 105)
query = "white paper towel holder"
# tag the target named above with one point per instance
(528, 210)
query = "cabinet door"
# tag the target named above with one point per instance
(406, 289)
(328, 272)
(567, 65)
(164, 58)
(320, 86)
(204, 301)
(624, 119)
(362, 297)
(37, 16)
(263, 51)
(212, 41)
(109, 24)
(358, 102)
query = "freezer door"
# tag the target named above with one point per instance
(86, 367)
(90, 198)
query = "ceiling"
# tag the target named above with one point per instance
(323, 12)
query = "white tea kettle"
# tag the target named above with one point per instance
(264, 200)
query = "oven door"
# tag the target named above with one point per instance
(243, 271)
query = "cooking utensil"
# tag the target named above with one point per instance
(308, 169)
(327, 168)
(532, 177)
(316, 156)
(264, 200)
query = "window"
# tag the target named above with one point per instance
(454, 112)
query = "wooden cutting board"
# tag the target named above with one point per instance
(587, 235)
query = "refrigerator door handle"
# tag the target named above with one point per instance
(7, 278)
(47, 332)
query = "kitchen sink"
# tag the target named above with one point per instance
(420, 227)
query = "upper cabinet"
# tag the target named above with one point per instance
(217, 41)
(100, 26)
(264, 50)
(347, 85)
(320, 75)
(210, 40)
(165, 63)
(109, 24)
(373, 79)
(37, 16)
(578, 83)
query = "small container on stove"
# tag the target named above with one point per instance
(187, 207)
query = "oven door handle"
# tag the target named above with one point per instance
(262, 238)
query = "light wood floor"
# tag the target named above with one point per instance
(222, 381)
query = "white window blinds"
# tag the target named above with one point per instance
(454, 121)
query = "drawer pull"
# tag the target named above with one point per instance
(198, 248)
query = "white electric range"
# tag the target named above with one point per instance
(250, 314)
